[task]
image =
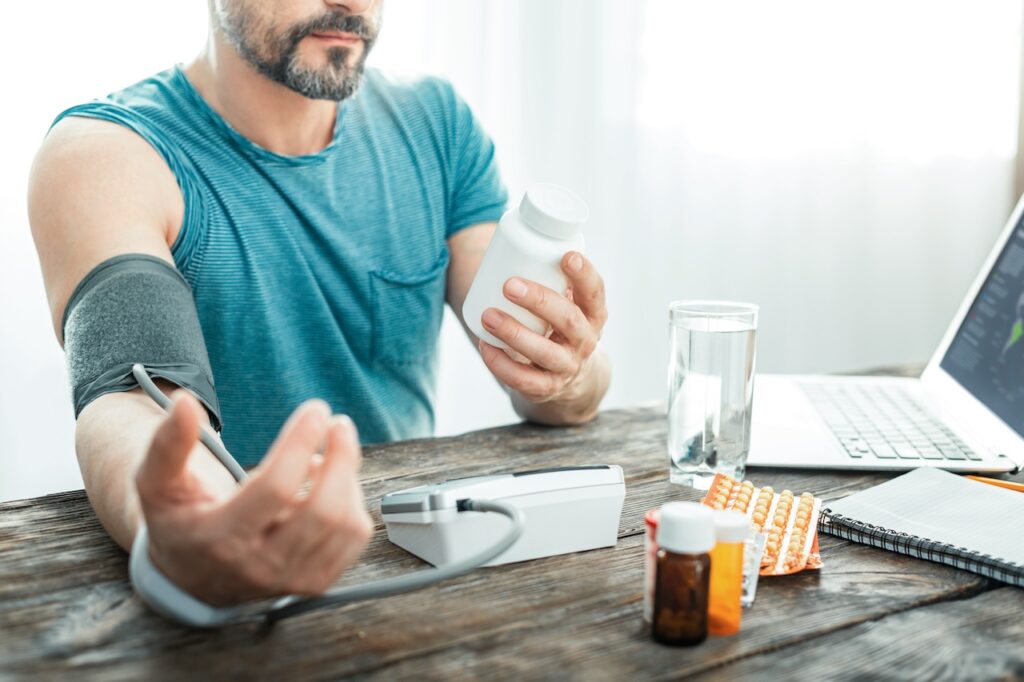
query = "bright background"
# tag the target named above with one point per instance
(845, 165)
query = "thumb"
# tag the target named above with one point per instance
(174, 439)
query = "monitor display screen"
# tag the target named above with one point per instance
(986, 356)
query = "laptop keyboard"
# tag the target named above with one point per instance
(884, 421)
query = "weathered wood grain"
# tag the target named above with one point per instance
(973, 639)
(66, 608)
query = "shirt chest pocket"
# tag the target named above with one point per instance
(407, 312)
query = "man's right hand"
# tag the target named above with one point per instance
(265, 539)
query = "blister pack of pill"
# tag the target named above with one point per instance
(789, 523)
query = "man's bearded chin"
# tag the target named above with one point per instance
(276, 55)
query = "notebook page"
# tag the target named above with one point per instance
(937, 505)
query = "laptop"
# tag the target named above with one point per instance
(965, 413)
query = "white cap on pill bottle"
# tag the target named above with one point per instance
(553, 210)
(686, 528)
(731, 526)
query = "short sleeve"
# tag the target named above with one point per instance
(193, 225)
(477, 194)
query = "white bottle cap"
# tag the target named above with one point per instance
(686, 528)
(731, 526)
(553, 210)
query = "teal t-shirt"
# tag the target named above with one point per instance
(321, 275)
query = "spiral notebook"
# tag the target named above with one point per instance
(932, 514)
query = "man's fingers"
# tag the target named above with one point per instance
(317, 570)
(529, 381)
(326, 508)
(555, 309)
(277, 480)
(169, 450)
(587, 287)
(538, 349)
(330, 528)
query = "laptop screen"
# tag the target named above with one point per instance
(986, 356)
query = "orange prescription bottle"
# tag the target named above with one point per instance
(731, 531)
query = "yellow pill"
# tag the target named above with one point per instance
(780, 519)
(767, 490)
(758, 518)
(801, 524)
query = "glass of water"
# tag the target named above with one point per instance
(710, 389)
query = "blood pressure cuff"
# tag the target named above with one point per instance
(132, 309)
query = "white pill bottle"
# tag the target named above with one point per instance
(529, 243)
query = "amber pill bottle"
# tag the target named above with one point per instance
(731, 532)
(686, 534)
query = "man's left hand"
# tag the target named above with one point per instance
(556, 365)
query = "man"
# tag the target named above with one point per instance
(321, 216)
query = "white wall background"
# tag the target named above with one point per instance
(844, 165)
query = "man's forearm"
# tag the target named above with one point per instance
(581, 402)
(112, 436)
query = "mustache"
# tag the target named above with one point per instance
(335, 21)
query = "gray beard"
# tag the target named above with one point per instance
(336, 81)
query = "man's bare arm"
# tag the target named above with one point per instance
(97, 191)
(541, 397)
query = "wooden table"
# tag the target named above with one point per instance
(66, 608)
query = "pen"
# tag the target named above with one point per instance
(1009, 485)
